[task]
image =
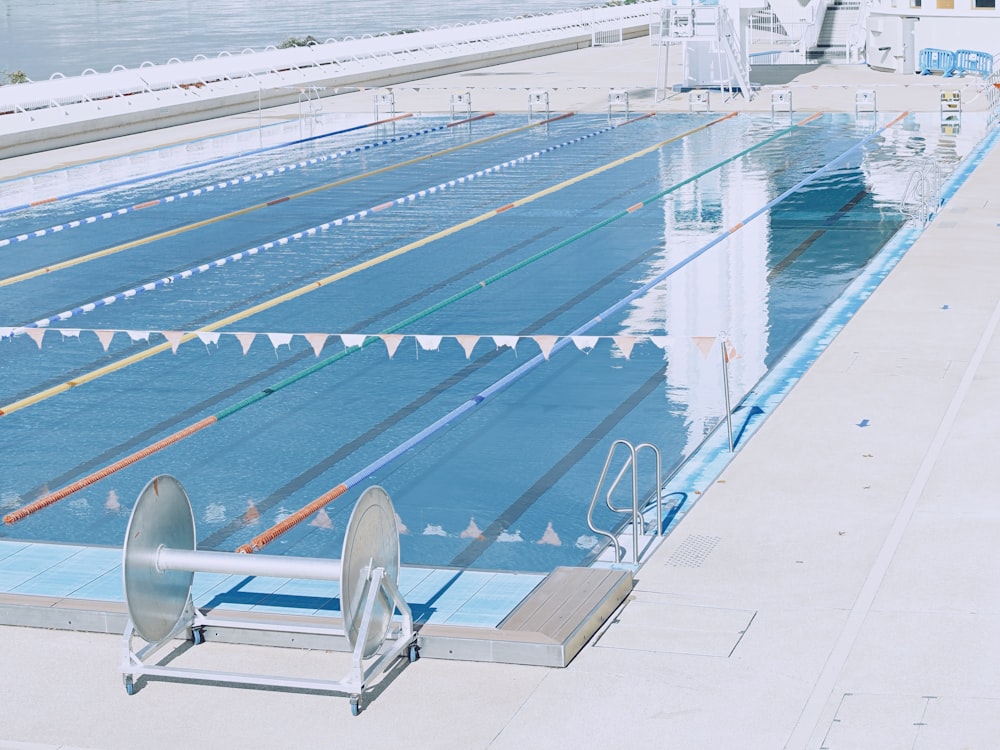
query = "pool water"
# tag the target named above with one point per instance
(507, 485)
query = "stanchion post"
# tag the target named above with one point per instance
(725, 387)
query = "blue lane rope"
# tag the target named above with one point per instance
(205, 189)
(531, 364)
(188, 167)
(219, 262)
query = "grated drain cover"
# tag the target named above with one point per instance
(693, 551)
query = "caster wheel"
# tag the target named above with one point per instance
(129, 685)
(355, 705)
(197, 636)
(414, 652)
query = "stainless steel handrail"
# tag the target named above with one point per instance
(638, 518)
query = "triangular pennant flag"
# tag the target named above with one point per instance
(510, 341)
(112, 503)
(471, 531)
(392, 341)
(316, 340)
(352, 339)
(545, 343)
(138, 335)
(280, 339)
(704, 344)
(105, 338)
(550, 537)
(731, 352)
(468, 343)
(585, 343)
(36, 335)
(245, 339)
(70, 333)
(660, 341)
(429, 343)
(209, 337)
(322, 520)
(252, 515)
(6, 331)
(174, 337)
(400, 526)
(625, 344)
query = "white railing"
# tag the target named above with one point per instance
(922, 195)
(275, 68)
(785, 43)
(991, 84)
(856, 38)
(731, 43)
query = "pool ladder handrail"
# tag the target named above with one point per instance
(921, 197)
(638, 520)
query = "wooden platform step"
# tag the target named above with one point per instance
(548, 628)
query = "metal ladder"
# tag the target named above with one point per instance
(921, 197)
(638, 519)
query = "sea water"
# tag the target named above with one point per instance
(42, 37)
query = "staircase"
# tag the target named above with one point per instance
(831, 45)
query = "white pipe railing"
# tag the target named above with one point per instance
(362, 53)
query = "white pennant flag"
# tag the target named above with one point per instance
(245, 339)
(625, 344)
(468, 343)
(510, 341)
(585, 343)
(392, 341)
(545, 343)
(209, 337)
(280, 339)
(429, 343)
(353, 339)
(6, 331)
(105, 338)
(70, 333)
(317, 341)
(174, 337)
(704, 344)
(36, 335)
(138, 335)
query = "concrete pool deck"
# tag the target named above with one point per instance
(834, 589)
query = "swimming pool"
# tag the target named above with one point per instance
(469, 248)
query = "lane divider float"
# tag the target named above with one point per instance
(53, 497)
(264, 538)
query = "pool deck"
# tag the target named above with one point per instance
(835, 588)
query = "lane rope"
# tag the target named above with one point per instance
(249, 252)
(249, 209)
(213, 187)
(53, 497)
(264, 538)
(176, 170)
(320, 283)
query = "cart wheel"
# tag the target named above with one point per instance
(355, 705)
(129, 685)
(414, 652)
(197, 636)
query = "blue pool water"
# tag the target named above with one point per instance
(507, 485)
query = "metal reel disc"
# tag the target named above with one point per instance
(371, 541)
(162, 517)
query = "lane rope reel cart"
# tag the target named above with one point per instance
(160, 559)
